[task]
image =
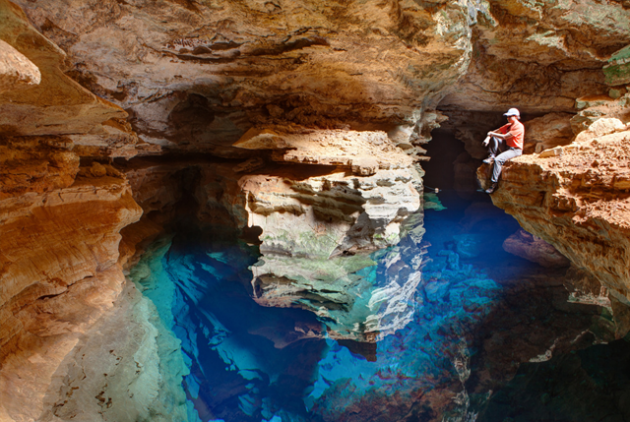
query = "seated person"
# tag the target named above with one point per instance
(503, 144)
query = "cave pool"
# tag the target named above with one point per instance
(458, 318)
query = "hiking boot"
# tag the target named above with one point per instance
(489, 160)
(492, 188)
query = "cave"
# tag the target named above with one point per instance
(279, 211)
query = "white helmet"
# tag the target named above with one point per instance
(513, 112)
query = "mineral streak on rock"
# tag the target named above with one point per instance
(617, 70)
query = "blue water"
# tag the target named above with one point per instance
(457, 292)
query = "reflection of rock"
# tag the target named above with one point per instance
(534, 249)
(355, 297)
(454, 298)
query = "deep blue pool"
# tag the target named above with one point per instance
(457, 317)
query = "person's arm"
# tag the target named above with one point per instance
(502, 132)
(500, 135)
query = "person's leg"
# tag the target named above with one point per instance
(501, 159)
(495, 146)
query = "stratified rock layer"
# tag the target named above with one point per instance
(60, 273)
(576, 198)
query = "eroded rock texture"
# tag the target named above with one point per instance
(197, 80)
(302, 114)
(575, 197)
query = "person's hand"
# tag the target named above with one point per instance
(486, 142)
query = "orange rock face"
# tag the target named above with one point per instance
(60, 272)
(577, 198)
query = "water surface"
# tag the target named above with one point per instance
(425, 330)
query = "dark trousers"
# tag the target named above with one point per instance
(501, 152)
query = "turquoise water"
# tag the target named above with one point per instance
(456, 317)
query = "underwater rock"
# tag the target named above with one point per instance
(468, 245)
(556, 389)
(534, 249)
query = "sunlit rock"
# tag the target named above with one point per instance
(576, 200)
(364, 152)
(200, 78)
(548, 131)
(16, 71)
(57, 105)
(524, 57)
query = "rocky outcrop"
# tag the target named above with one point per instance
(201, 78)
(574, 197)
(60, 221)
(57, 105)
(314, 115)
(540, 56)
(16, 71)
(60, 273)
(348, 196)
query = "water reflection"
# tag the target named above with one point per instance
(412, 332)
(358, 297)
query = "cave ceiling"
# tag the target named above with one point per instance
(193, 76)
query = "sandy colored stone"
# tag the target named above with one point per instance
(599, 128)
(58, 105)
(548, 131)
(577, 201)
(365, 152)
(201, 78)
(60, 272)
